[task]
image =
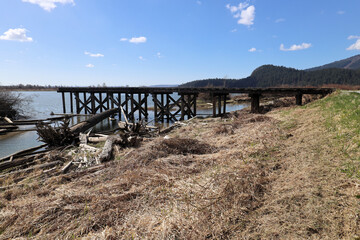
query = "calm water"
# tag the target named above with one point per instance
(40, 106)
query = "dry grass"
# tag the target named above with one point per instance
(273, 176)
(183, 187)
(310, 197)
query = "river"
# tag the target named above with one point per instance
(41, 104)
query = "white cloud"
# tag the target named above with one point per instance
(199, 2)
(93, 54)
(355, 46)
(295, 47)
(341, 12)
(252, 49)
(16, 34)
(244, 12)
(49, 5)
(353, 37)
(279, 20)
(134, 40)
(141, 58)
(159, 55)
(89, 65)
(138, 40)
(234, 30)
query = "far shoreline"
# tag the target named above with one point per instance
(28, 89)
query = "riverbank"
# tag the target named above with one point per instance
(292, 173)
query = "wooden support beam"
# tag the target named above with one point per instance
(127, 105)
(85, 103)
(162, 107)
(113, 101)
(119, 105)
(195, 98)
(93, 109)
(101, 106)
(255, 103)
(182, 107)
(213, 98)
(132, 107)
(77, 102)
(167, 108)
(219, 104)
(140, 106)
(71, 103)
(154, 96)
(224, 107)
(146, 107)
(63, 101)
(298, 97)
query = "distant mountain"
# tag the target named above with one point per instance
(277, 76)
(348, 63)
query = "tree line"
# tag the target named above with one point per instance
(276, 76)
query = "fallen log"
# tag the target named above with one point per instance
(92, 121)
(45, 165)
(28, 150)
(97, 139)
(15, 163)
(10, 126)
(122, 125)
(70, 114)
(107, 151)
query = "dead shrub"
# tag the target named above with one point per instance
(224, 129)
(59, 135)
(259, 118)
(183, 146)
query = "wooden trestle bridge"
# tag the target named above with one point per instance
(168, 104)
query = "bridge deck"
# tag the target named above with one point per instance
(198, 90)
(91, 100)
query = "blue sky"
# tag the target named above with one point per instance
(148, 42)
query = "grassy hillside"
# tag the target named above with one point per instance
(292, 173)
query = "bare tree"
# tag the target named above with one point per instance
(10, 104)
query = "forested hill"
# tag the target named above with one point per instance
(275, 76)
(348, 63)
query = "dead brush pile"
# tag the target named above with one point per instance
(195, 185)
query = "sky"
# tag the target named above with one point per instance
(155, 42)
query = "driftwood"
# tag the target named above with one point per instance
(70, 114)
(92, 121)
(122, 125)
(122, 110)
(45, 165)
(60, 135)
(85, 138)
(16, 162)
(66, 167)
(107, 151)
(22, 152)
(98, 139)
(7, 126)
